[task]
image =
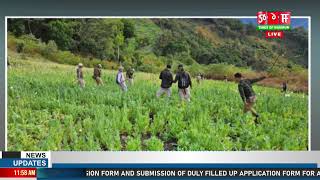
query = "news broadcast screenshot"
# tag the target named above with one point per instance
(157, 90)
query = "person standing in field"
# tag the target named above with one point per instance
(97, 74)
(225, 79)
(121, 81)
(284, 87)
(166, 81)
(129, 75)
(247, 94)
(184, 82)
(199, 78)
(81, 81)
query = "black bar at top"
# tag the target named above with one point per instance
(12, 154)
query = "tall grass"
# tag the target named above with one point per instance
(47, 110)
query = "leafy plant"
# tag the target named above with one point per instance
(48, 111)
(154, 144)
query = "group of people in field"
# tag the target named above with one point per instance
(97, 76)
(182, 77)
(184, 81)
(246, 91)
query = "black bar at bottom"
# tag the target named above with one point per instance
(12, 154)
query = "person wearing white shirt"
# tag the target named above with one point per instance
(120, 79)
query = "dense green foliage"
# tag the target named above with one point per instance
(28, 45)
(48, 111)
(205, 41)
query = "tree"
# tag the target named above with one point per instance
(119, 40)
(128, 29)
(16, 26)
(128, 53)
(61, 32)
(101, 38)
(170, 43)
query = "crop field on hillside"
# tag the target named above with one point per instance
(48, 111)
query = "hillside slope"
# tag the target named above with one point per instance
(205, 41)
(213, 47)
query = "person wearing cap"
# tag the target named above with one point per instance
(184, 82)
(130, 76)
(80, 75)
(166, 81)
(97, 74)
(247, 94)
(121, 81)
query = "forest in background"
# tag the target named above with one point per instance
(214, 47)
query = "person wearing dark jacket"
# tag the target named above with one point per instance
(184, 82)
(97, 74)
(166, 82)
(247, 93)
(284, 87)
